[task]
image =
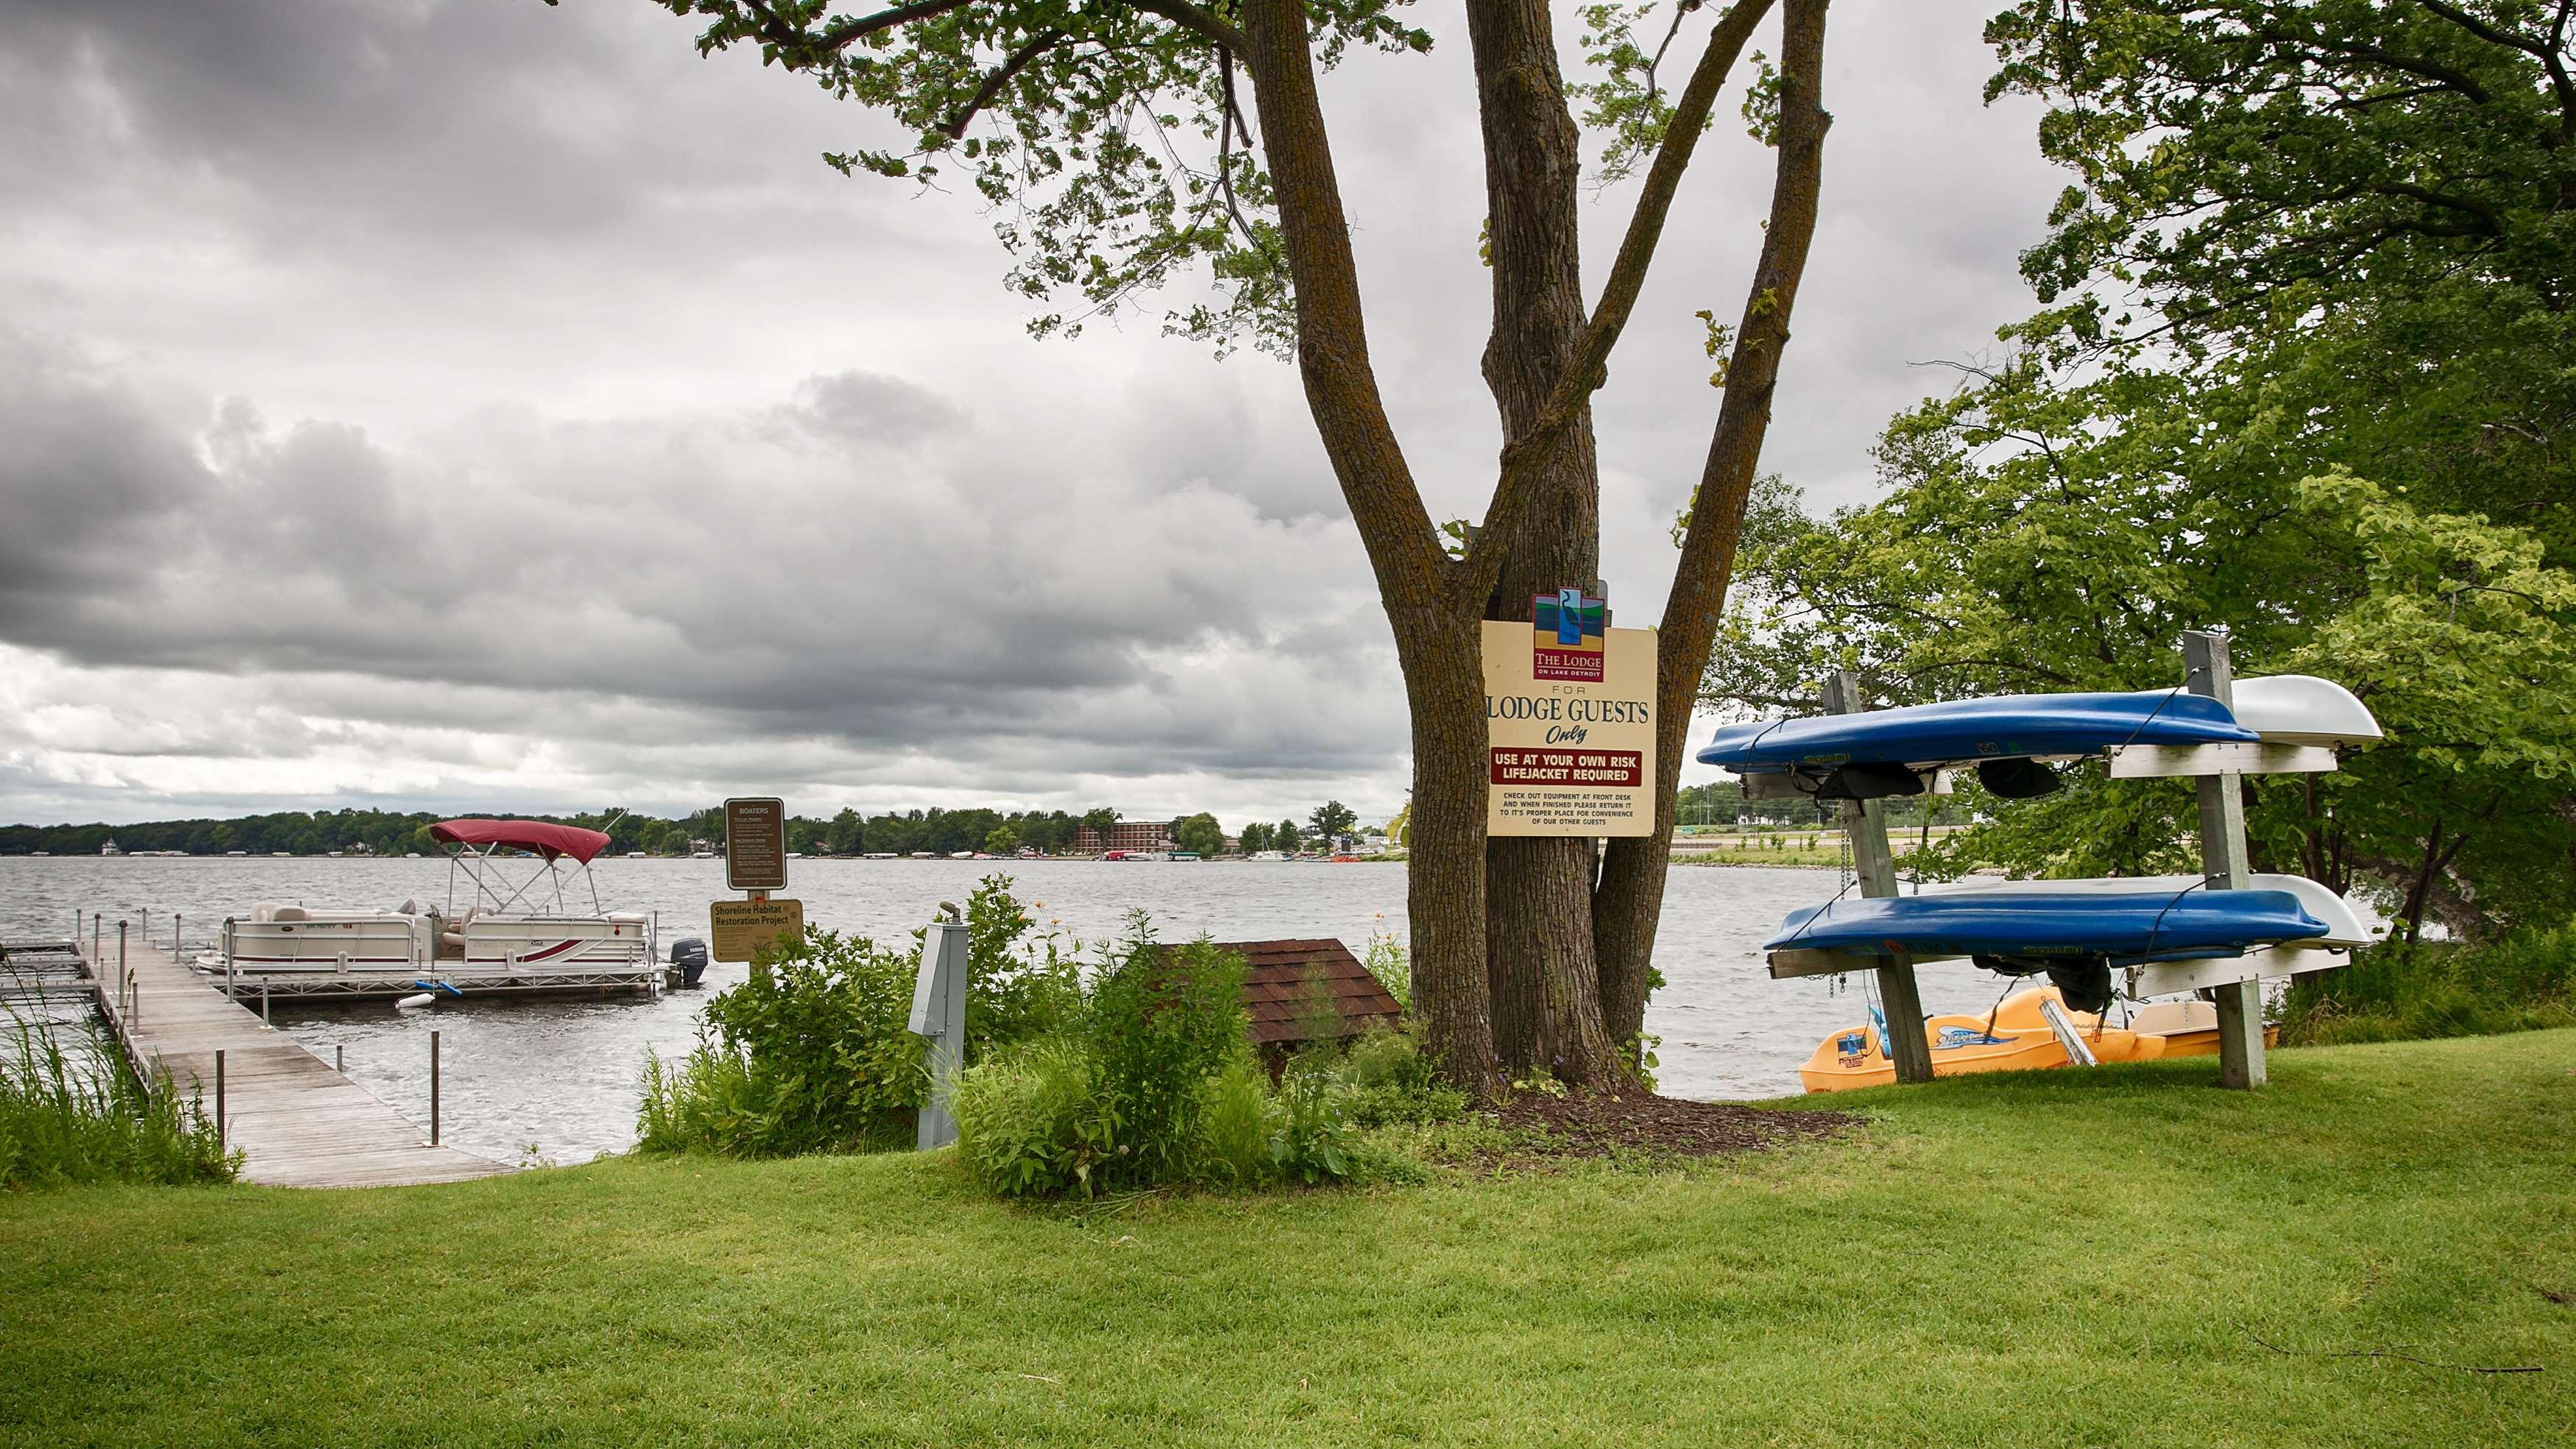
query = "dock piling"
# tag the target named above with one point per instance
(340, 1058)
(433, 1089)
(263, 1003)
(219, 1100)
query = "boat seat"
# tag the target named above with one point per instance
(289, 913)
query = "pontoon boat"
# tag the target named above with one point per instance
(515, 930)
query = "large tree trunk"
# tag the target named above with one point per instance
(1435, 645)
(1538, 924)
(1629, 904)
(1570, 956)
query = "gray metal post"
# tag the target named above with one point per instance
(2223, 865)
(219, 1099)
(232, 973)
(263, 1001)
(939, 1014)
(177, 922)
(340, 1058)
(1866, 822)
(433, 1089)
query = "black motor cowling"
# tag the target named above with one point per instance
(2018, 779)
(2082, 982)
(690, 955)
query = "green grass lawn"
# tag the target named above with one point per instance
(2052, 1259)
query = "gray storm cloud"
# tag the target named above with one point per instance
(472, 401)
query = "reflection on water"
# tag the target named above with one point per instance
(561, 1075)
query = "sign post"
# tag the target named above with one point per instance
(755, 864)
(1569, 722)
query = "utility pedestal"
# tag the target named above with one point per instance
(939, 1014)
(2223, 866)
(1866, 822)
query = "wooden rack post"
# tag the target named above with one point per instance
(2224, 866)
(1866, 822)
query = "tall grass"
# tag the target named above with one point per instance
(2526, 982)
(79, 1116)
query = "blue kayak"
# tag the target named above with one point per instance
(2009, 726)
(2154, 925)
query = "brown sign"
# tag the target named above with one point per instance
(741, 928)
(755, 847)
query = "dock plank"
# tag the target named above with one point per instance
(297, 1122)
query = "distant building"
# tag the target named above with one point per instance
(1125, 835)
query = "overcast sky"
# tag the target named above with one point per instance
(471, 404)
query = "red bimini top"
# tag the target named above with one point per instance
(545, 839)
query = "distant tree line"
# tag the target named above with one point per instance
(379, 832)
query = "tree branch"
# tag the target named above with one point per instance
(841, 37)
(1332, 332)
(1039, 44)
(1628, 900)
(1226, 126)
(1526, 456)
(1193, 18)
(2550, 53)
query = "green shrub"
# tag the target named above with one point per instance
(1154, 1082)
(1035, 1123)
(1238, 1123)
(814, 1053)
(1387, 961)
(1384, 1079)
(1313, 1141)
(2393, 992)
(76, 1117)
(1159, 1021)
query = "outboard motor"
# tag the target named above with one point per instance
(690, 956)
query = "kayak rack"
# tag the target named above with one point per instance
(2216, 770)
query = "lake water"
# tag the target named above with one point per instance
(561, 1076)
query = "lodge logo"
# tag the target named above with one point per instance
(1566, 636)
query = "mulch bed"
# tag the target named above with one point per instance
(1586, 1125)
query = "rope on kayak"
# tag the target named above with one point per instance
(2159, 922)
(2151, 715)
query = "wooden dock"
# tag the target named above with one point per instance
(297, 1122)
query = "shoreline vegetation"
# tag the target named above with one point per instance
(2386, 1228)
(77, 1115)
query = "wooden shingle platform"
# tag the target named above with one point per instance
(297, 1122)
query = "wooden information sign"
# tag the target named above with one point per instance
(741, 928)
(755, 846)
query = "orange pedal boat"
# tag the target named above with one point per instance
(2019, 1039)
